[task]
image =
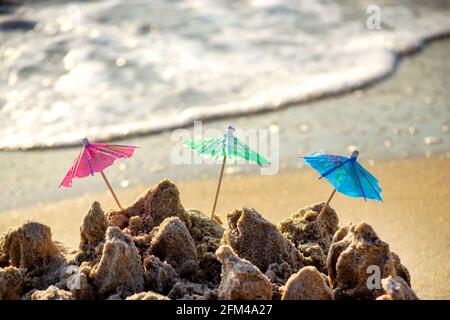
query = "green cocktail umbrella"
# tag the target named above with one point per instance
(227, 146)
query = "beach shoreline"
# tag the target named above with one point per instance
(399, 118)
(413, 218)
(399, 121)
(361, 55)
(115, 73)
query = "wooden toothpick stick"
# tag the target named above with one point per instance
(325, 206)
(111, 190)
(218, 186)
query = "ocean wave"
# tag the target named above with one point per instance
(110, 69)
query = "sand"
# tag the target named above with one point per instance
(414, 217)
(394, 117)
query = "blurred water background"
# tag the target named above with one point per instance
(112, 69)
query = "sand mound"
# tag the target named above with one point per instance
(152, 206)
(355, 255)
(120, 269)
(159, 276)
(207, 235)
(307, 284)
(173, 243)
(30, 247)
(156, 250)
(92, 235)
(311, 237)
(241, 280)
(257, 240)
(396, 288)
(147, 296)
(11, 283)
(51, 293)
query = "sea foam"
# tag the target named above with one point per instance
(111, 68)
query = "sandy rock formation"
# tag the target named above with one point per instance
(159, 276)
(142, 242)
(241, 280)
(207, 235)
(279, 273)
(204, 230)
(396, 288)
(147, 296)
(157, 250)
(355, 248)
(11, 283)
(307, 284)
(119, 270)
(210, 269)
(312, 237)
(400, 269)
(259, 241)
(92, 235)
(136, 226)
(52, 293)
(187, 290)
(173, 243)
(77, 281)
(30, 247)
(314, 252)
(153, 206)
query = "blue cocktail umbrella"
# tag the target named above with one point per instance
(346, 175)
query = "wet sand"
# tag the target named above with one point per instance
(414, 217)
(390, 120)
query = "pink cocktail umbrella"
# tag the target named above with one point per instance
(96, 157)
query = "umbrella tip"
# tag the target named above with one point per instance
(354, 154)
(85, 141)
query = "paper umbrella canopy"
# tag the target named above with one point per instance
(226, 146)
(96, 157)
(346, 175)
